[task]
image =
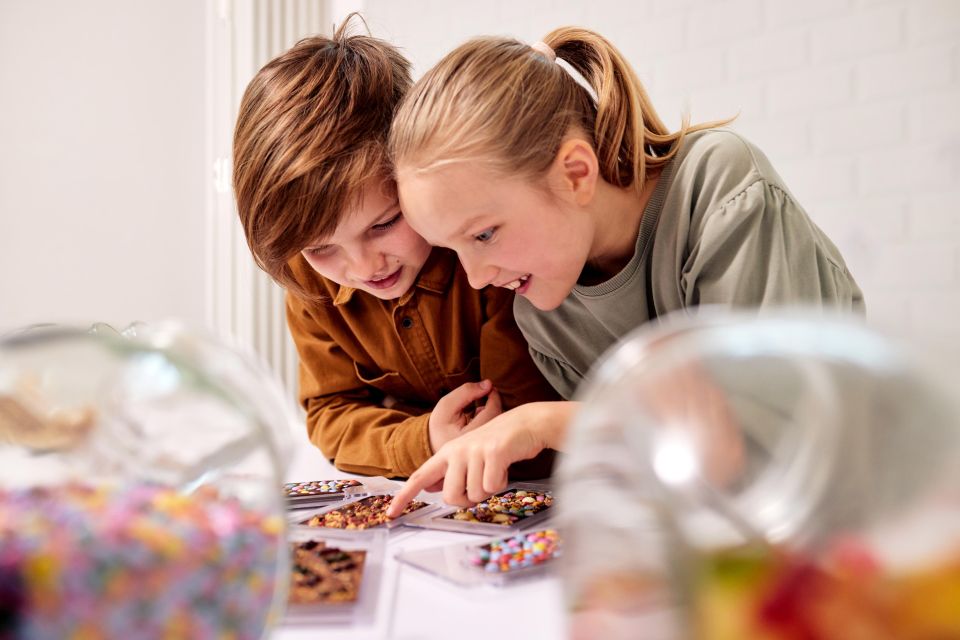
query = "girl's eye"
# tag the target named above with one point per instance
(486, 235)
(389, 223)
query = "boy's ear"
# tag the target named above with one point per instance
(577, 170)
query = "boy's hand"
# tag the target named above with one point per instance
(455, 412)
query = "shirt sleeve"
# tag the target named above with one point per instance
(506, 361)
(345, 419)
(504, 357)
(760, 249)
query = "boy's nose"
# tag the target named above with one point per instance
(365, 265)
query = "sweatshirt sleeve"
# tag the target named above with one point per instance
(561, 375)
(345, 417)
(758, 249)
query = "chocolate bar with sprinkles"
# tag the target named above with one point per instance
(336, 576)
(520, 507)
(506, 508)
(318, 492)
(360, 514)
(325, 574)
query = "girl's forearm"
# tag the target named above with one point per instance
(550, 421)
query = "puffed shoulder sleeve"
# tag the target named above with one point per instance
(562, 376)
(759, 248)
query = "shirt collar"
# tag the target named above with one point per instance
(434, 276)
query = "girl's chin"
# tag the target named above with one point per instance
(544, 305)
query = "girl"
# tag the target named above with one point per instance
(548, 171)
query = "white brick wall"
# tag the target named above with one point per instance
(786, 14)
(766, 53)
(724, 22)
(875, 30)
(906, 70)
(810, 89)
(929, 20)
(857, 103)
(933, 117)
(858, 126)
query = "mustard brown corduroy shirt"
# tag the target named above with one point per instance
(356, 351)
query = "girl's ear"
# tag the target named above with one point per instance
(576, 170)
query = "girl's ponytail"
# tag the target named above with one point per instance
(630, 137)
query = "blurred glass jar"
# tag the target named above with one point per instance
(139, 486)
(736, 476)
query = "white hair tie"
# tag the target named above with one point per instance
(546, 50)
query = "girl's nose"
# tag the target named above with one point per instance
(480, 276)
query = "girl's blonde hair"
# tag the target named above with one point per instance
(503, 103)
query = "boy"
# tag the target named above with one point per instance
(387, 327)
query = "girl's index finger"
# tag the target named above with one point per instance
(430, 473)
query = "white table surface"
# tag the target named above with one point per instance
(414, 605)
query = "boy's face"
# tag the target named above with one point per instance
(373, 249)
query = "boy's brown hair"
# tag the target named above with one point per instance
(312, 131)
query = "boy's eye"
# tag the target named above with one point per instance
(319, 251)
(389, 223)
(486, 235)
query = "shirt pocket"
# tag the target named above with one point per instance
(389, 383)
(470, 373)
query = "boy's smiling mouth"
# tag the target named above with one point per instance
(385, 282)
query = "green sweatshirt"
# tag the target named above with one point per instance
(720, 228)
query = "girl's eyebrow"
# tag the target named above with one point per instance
(466, 225)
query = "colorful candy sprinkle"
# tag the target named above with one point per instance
(139, 562)
(517, 552)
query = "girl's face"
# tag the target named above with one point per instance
(373, 248)
(508, 232)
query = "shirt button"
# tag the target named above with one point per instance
(406, 322)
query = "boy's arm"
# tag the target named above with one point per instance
(359, 436)
(506, 361)
(345, 419)
(504, 356)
